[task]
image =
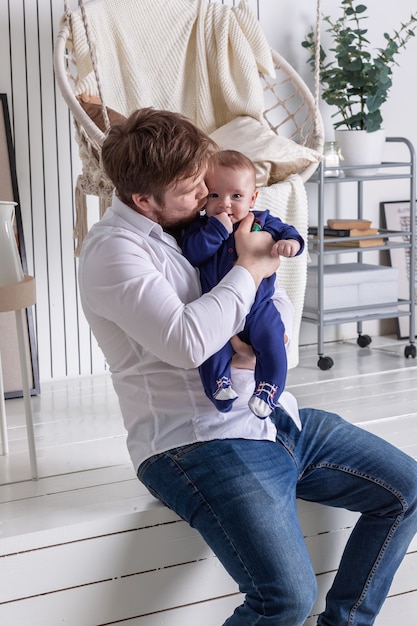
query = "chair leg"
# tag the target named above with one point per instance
(26, 393)
(3, 423)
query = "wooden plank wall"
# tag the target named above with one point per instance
(47, 165)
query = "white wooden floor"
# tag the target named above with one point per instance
(87, 488)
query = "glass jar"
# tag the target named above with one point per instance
(331, 158)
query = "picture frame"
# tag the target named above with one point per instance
(12, 378)
(396, 216)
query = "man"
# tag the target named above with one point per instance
(234, 478)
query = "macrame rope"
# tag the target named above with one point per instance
(317, 63)
(94, 63)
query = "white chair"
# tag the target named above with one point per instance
(17, 297)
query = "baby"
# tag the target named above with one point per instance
(208, 244)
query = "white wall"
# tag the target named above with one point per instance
(47, 159)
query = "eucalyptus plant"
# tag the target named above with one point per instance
(356, 82)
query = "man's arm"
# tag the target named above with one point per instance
(131, 287)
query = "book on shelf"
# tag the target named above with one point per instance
(343, 232)
(353, 243)
(357, 223)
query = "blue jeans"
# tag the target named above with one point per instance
(241, 496)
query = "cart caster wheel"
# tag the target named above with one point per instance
(364, 340)
(410, 351)
(325, 362)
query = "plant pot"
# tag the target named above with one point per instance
(358, 147)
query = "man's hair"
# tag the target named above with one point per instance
(152, 151)
(231, 158)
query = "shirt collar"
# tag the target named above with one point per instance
(141, 223)
(134, 219)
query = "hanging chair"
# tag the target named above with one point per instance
(157, 52)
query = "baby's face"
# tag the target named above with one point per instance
(230, 191)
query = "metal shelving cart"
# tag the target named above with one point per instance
(392, 239)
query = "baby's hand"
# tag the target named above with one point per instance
(225, 220)
(287, 247)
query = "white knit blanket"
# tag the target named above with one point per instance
(288, 201)
(198, 58)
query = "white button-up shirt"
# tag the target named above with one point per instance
(143, 301)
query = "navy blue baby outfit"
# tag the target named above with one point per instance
(208, 246)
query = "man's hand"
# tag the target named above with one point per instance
(255, 250)
(244, 357)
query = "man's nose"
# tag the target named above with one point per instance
(202, 191)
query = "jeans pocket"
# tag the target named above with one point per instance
(162, 464)
(181, 452)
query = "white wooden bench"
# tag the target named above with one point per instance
(93, 547)
(108, 551)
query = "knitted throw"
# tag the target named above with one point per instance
(197, 58)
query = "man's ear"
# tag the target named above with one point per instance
(141, 202)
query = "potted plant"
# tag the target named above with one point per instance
(355, 80)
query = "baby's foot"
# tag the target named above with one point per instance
(259, 407)
(225, 395)
(264, 400)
